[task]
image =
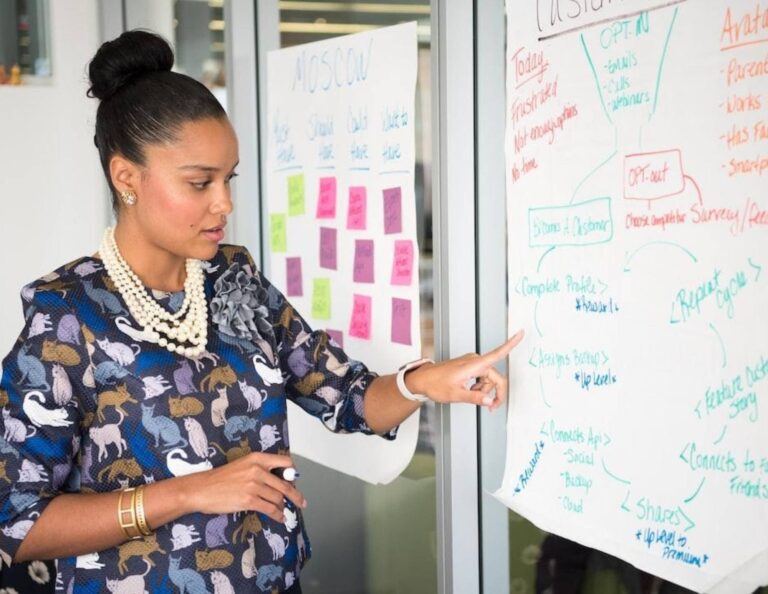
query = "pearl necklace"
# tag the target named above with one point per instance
(160, 325)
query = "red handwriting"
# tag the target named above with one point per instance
(526, 166)
(648, 176)
(525, 106)
(756, 166)
(673, 217)
(738, 135)
(528, 66)
(546, 130)
(742, 103)
(739, 70)
(744, 29)
(739, 220)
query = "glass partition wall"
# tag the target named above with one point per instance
(199, 29)
(377, 539)
(24, 39)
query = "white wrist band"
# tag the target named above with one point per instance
(401, 380)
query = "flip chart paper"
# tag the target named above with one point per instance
(346, 136)
(638, 234)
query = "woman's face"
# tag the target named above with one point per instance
(183, 191)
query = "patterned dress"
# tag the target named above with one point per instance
(90, 405)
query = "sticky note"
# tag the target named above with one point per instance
(402, 263)
(321, 298)
(360, 322)
(401, 320)
(327, 248)
(357, 211)
(293, 279)
(277, 233)
(337, 335)
(363, 268)
(296, 195)
(326, 199)
(393, 209)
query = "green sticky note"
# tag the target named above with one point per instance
(296, 194)
(321, 299)
(277, 233)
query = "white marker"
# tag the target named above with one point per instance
(287, 473)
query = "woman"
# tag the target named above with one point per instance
(144, 404)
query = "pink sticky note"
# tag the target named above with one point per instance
(363, 272)
(337, 335)
(357, 210)
(360, 323)
(402, 263)
(326, 199)
(401, 320)
(328, 248)
(293, 278)
(393, 210)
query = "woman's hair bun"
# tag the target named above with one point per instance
(122, 59)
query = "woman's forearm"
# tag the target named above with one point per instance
(470, 378)
(384, 406)
(86, 523)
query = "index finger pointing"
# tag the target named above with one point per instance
(497, 354)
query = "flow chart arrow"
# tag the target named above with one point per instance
(722, 344)
(630, 257)
(722, 435)
(544, 255)
(536, 317)
(543, 397)
(613, 476)
(696, 492)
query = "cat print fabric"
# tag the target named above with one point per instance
(91, 404)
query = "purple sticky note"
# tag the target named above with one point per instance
(293, 280)
(337, 335)
(402, 263)
(393, 210)
(326, 199)
(401, 320)
(360, 322)
(357, 210)
(328, 248)
(363, 272)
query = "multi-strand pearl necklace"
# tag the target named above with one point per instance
(161, 326)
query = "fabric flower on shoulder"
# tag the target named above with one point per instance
(239, 306)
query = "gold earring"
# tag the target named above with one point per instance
(128, 197)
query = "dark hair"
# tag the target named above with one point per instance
(141, 101)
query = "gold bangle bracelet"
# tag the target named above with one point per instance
(141, 518)
(131, 511)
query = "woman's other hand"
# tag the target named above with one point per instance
(245, 484)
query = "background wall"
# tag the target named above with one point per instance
(54, 200)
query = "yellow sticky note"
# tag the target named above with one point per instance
(321, 298)
(277, 233)
(296, 195)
